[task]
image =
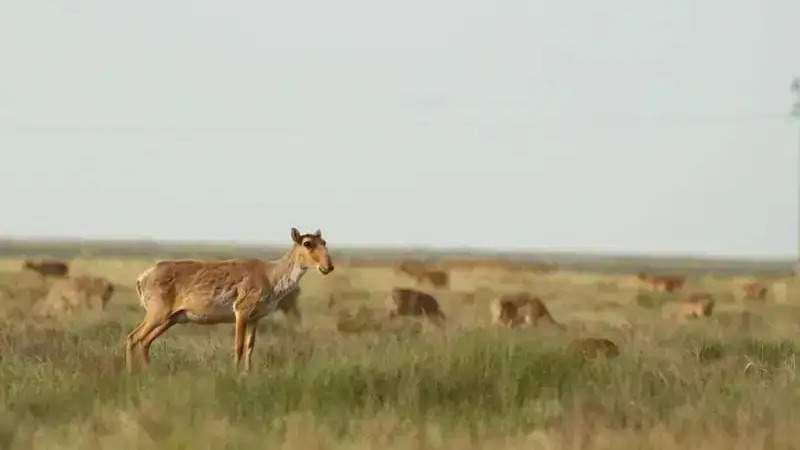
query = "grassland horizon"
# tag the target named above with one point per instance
(726, 381)
(67, 247)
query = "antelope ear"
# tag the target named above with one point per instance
(296, 236)
(318, 233)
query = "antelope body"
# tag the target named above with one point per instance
(666, 283)
(755, 291)
(590, 348)
(239, 291)
(422, 272)
(411, 302)
(47, 267)
(697, 305)
(75, 294)
(512, 310)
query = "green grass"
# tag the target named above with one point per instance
(484, 383)
(711, 383)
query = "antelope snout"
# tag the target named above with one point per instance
(325, 269)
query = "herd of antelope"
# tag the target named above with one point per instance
(242, 291)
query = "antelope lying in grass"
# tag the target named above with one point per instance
(522, 308)
(755, 291)
(591, 348)
(696, 305)
(406, 302)
(422, 272)
(239, 291)
(665, 283)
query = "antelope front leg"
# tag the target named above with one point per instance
(250, 343)
(241, 327)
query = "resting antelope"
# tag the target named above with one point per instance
(755, 291)
(239, 291)
(590, 348)
(666, 283)
(413, 303)
(522, 308)
(697, 305)
(422, 272)
(74, 294)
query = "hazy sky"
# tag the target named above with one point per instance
(635, 126)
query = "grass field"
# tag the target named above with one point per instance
(726, 382)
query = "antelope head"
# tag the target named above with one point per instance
(311, 250)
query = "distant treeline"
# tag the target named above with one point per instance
(67, 249)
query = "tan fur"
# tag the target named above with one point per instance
(75, 294)
(522, 308)
(591, 348)
(363, 321)
(239, 291)
(665, 283)
(47, 267)
(696, 305)
(755, 291)
(423, 272)
(414, 303)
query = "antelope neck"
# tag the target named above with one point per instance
(287, 275)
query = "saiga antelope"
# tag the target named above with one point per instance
(413, 303)
(697, 305)
(755, 291)
(422, 272)
(591, 348)
(239, 291)
(521, 308)
(47, 267)
(666, 283)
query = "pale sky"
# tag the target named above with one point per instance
(622, 126)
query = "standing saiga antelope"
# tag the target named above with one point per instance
(239, 291)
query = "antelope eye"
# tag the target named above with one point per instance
(307, 244)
